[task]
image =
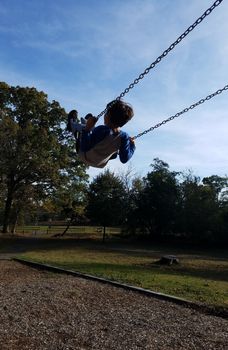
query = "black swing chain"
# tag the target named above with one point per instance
(165, 53)
(182, 112)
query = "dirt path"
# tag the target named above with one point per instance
(46, 311)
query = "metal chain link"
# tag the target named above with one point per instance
(182, 112)
(165, 53)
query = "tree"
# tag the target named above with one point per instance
(219, 187)
(132, 185)
(33, 150)
(199, 212)
(106, 197)
(216, 184)
(134, 220)
(68, 203)
(158, 200)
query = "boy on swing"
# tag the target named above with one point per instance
(100, 144)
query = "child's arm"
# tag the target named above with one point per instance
(127, 147)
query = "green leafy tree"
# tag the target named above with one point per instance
(68, 203)
(158, 200)
(200, 208)
(132, 185)
(217, 184)
(33, 150)
(133, 216)
(106, 200)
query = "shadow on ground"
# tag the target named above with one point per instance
(16, 246)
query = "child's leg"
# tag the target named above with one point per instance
(77, 136)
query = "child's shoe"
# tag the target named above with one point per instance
(83, 121)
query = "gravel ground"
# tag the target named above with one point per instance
(42, 310)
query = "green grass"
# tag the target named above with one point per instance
(201, 276)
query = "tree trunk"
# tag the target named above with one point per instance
(66, 229)
(13, 229)
(7, 211)
(104, 232)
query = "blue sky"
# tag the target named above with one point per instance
(84, 53)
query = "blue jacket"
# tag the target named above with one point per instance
(104, 143)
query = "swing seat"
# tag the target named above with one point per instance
(101, 153)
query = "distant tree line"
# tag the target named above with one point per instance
(163, 205)
(41, 180)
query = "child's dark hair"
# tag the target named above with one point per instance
(119, 112)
